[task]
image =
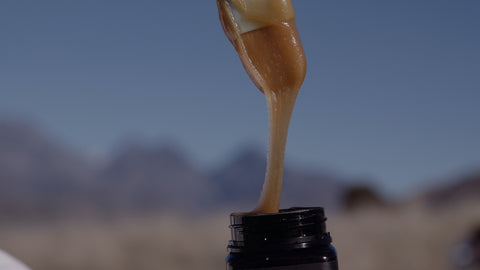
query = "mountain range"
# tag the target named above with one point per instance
(42, 177)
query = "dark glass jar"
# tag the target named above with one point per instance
(293, 239)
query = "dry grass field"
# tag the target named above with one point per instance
(410, 237)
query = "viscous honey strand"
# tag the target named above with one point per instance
(273, 57)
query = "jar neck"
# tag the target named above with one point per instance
(290, 229)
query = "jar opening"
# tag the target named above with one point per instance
(290, 229)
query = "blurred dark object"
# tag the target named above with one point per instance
(466, 256)
(361, 197)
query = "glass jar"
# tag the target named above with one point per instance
(293, 239)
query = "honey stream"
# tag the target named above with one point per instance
(273, 57)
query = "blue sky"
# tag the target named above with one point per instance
(392, 90)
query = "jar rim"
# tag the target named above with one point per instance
(293, 228)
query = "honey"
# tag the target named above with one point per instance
(266, 39)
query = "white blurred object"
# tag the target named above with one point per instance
(8, 262)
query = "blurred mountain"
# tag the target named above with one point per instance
(312, 188)
(151, 177)
(459, 189)
(240, 182)
(39, 176)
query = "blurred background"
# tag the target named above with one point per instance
(129, 131)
